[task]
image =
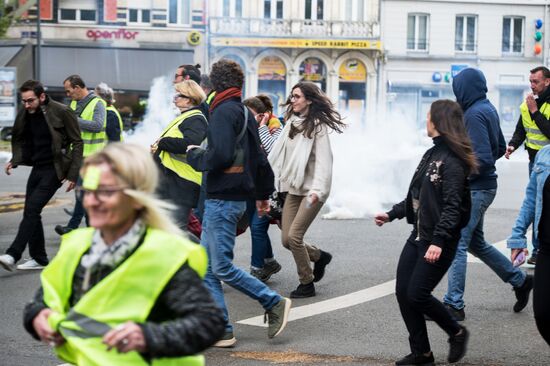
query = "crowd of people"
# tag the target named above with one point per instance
(145, 275)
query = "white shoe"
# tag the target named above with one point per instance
(30, 264)
(7, 262)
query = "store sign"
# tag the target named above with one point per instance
(353, 70)
(194, 38)
(96, 34)
(456, 68)
(312, 69)
(271, 68)
(8, 95)
(297, 43)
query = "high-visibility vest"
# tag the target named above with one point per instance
(178, 162)
(93, 141)
(112, 108)
(210, 97)
(126, 294)
(534, 138)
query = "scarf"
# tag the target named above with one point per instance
(290, 169)
(224, 95)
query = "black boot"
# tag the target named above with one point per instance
(319, 266)
(457, 345)
(413, 359)
(303, 291)
(522, 294)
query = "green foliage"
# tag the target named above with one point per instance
(6, 18)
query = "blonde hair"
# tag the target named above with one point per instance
(192, 90)
(134, 166)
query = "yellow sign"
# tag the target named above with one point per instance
(194, 38)
(271, 68)
(353, 70)
(297, 43)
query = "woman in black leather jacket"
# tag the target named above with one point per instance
(438, 206)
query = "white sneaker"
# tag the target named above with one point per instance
(30, 264)
(7, 262)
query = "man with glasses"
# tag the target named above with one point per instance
(45, 136)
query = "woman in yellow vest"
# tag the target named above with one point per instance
(180, 184)
(128, 289)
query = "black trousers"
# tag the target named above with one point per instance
(415, 282)
(41, 186)
(541, 291)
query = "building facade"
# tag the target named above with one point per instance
(427, 42)
(335, 44)
(125, 43)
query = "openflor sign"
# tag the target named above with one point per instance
(96, 34)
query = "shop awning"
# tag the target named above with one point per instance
(7, 53)
(121, 68)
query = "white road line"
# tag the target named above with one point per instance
(355, 298)
(340, 302)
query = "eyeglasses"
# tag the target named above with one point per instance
(181, 96)
(28, 101)
(100, 194)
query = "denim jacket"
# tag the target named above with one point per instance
(531, 209)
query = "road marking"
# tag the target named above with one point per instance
(340, 302)
(356, 298)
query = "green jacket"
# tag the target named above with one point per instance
(66, 141)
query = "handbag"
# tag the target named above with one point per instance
(276, 203)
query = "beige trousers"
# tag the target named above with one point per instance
(297, 218)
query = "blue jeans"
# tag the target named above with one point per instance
(261, 244)
(534, 241)
(78, 211)
(472, 240)
(219, 228)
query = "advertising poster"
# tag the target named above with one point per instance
(8, 96)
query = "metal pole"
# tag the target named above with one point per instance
(38, 41)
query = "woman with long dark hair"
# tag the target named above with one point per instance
(438, 207)
(302, 162)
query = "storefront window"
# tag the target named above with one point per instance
(313, 69)
(352, 89)
(510, 100)
(272, 80)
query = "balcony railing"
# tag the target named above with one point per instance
(293, 28)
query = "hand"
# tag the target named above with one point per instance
(264, 120)
(191, 147)
(515, 252)
(509, 151)
(44, 331)
(8, 168)
(531, 103)
(432, 254)
(154, 147)
(70, 185)
(125, 338)
(312, 199)
(381, 218)
(263, 208)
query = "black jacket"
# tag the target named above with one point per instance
(441, 183)
(184, 321)
(256, 178)
(67, 144)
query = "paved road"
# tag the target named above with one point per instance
(369, 333)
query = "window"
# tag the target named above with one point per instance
(354, 10)
(417, 32)
(314, 9)
(465, 33)
(232, 8)
(512, 35)
(179, 12)
(139, 16)
(273, 9)
(84, 15)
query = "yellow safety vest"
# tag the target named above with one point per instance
(126, 294)
(178, 162)
(534, 139)
(112, 108)
(210, 98)
(93, 141)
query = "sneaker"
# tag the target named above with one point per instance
(277, 317)
(272, 267)
(62, 230)
(30, 264)
(319, 266)
(413, 359)
(227, 341)
(7, 262)
(264, 274)
(522, 293)
(303, 291)
(458, 314)
(532, 260)
(457, 345)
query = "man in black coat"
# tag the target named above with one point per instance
(45, 136)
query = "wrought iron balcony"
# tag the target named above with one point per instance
(293, 28)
